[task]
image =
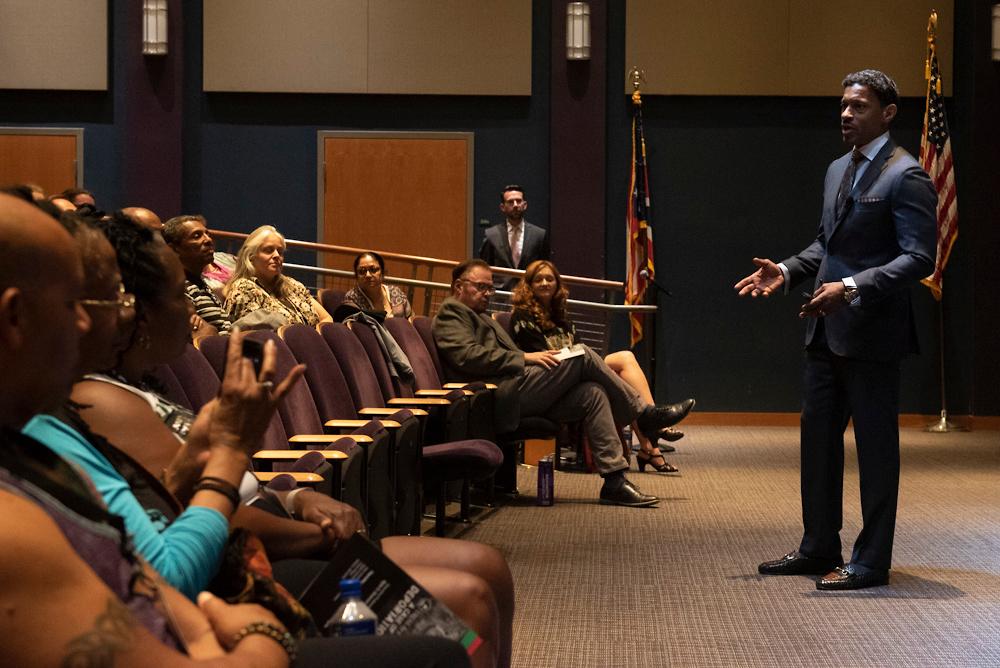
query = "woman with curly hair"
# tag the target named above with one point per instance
(258, 284)
(540, 323)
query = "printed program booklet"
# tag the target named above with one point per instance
(403, 607)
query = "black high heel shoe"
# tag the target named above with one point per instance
(648, 459)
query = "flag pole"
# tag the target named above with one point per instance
(942, 425)
(930, 161)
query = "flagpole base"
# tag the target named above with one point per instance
(942, 426)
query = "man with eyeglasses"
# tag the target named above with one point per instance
(473, 347)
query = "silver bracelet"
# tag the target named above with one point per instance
(280, 636)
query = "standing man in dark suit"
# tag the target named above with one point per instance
(876, 239)
(515, 243)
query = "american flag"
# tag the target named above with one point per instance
(639, 260)
(936, 159)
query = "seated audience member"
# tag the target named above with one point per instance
(79, 197)
(189, 238)
(258, 284)
(473, 346)
(61, 203)
(143, 216)
(371, 293)
(183, 545)
(540, 323)
(471, 579)
(73, 591)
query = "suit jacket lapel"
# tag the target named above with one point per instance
(508, 256)
(875, 169)
(871, 174)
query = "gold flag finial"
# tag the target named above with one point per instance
(638, 77)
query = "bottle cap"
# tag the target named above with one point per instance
(350, 587)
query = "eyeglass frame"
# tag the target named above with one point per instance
(490, 289)
(364, 271)
(123, 302)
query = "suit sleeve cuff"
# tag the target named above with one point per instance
(786, 275)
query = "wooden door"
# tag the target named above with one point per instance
(50, 158)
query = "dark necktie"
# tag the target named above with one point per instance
(847, 183)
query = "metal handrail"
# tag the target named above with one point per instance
(418, 259)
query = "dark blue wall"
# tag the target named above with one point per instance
(250, 159)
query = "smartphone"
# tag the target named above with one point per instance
(254, 351)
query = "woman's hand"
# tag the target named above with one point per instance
(227, 620)
(246, 401)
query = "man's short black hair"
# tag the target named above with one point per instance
(879, 83)
(467, 266)
(172, 228)
(508, 188)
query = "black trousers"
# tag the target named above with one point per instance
(838, 389)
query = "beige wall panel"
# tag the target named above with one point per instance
(708, 47)
(450, 47)
(298, 46)
(54, 44)
(830, 39)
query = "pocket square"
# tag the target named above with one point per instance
(870, 200)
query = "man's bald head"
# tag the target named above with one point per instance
(144, 217)
(40, 319)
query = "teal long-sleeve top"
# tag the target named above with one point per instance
(186, 552)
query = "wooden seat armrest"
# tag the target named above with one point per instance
(320, 439)
(419, 412)
(459, 386)
(354, 424)
(301, 477)
(292, 455)
(418, 401)
(441, 393)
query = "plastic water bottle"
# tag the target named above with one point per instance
(353, 617)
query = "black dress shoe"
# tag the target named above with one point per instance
(626, 494)
(655, 418)
(844, 579)
(667, 448)
(794, 563)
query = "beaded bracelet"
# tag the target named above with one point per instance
(278, 635)
(220, 486)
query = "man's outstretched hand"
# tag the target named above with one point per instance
(767, 279)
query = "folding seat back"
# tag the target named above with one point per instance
(425, 375)
(196, 376)
(326, 381)
(170, 386)
(390, 387)
(425, 328)
(354, 364)
(330, 298)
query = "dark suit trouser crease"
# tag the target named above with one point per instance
(838, 389)
(583, 388)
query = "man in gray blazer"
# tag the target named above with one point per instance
(473, 346)
(515, 243)
(876, 239)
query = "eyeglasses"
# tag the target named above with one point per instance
(488, 288)
(124, 301)
(363, 271)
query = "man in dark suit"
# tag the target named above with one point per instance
(876, 239)
(515, 243)
(473, 346)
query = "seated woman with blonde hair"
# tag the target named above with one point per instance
(540, 323)
(258, 284)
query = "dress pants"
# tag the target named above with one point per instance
(838, 389)
(583, 388)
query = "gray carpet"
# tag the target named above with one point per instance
(677, 584)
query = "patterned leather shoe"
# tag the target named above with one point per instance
(794, 563)
(845, 579)
(655, 418)
(626, 494)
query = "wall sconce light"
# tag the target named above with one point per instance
(577, 31)
(996, 33)
(154, 27)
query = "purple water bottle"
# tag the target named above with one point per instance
(546, 482)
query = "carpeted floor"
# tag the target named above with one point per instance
(677, 584)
